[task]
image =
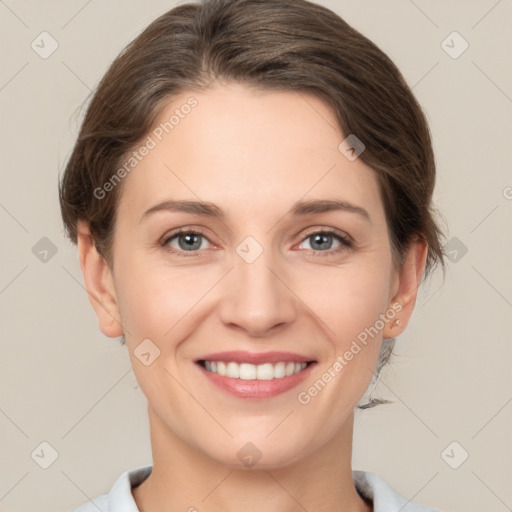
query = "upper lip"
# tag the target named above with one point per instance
(240, 356)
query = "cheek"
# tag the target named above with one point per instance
(159, 301)
(351, 304)
(350, 299)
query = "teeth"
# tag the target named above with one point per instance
(246, 371)
(233, 370)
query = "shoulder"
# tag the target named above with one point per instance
(120, 497)
(384, 497)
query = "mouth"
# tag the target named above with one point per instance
(248, 371)
(255, 376)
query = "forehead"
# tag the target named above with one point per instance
(249, 150)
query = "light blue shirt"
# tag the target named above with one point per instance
(369, 485)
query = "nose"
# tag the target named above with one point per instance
(256, 297)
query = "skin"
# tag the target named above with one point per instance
(254, 154)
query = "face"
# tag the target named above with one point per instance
(255, 273)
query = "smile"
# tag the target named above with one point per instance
(255, 381)
(247, 371)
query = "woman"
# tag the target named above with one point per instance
(251, 194)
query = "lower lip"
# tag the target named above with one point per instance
(256, 389)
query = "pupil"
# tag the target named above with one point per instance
(189, 244)
(319, 238)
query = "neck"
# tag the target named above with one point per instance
(184, 479)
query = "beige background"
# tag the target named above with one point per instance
(63, 382)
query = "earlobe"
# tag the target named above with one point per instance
(409, 279)
(99, 283)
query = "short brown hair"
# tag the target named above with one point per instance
(292, 45)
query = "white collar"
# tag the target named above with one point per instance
(369, 486)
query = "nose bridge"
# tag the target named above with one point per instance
(258, 299)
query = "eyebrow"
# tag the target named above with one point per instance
(299, 209)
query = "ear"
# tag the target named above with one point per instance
(99, 283)
(406, 287)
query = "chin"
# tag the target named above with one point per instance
(258, 454)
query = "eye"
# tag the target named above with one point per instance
(190, 241)
(322, 241)
(186, 240)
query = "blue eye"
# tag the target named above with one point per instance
(190, 242)
(323, 242)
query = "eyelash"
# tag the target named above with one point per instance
(346, 243)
